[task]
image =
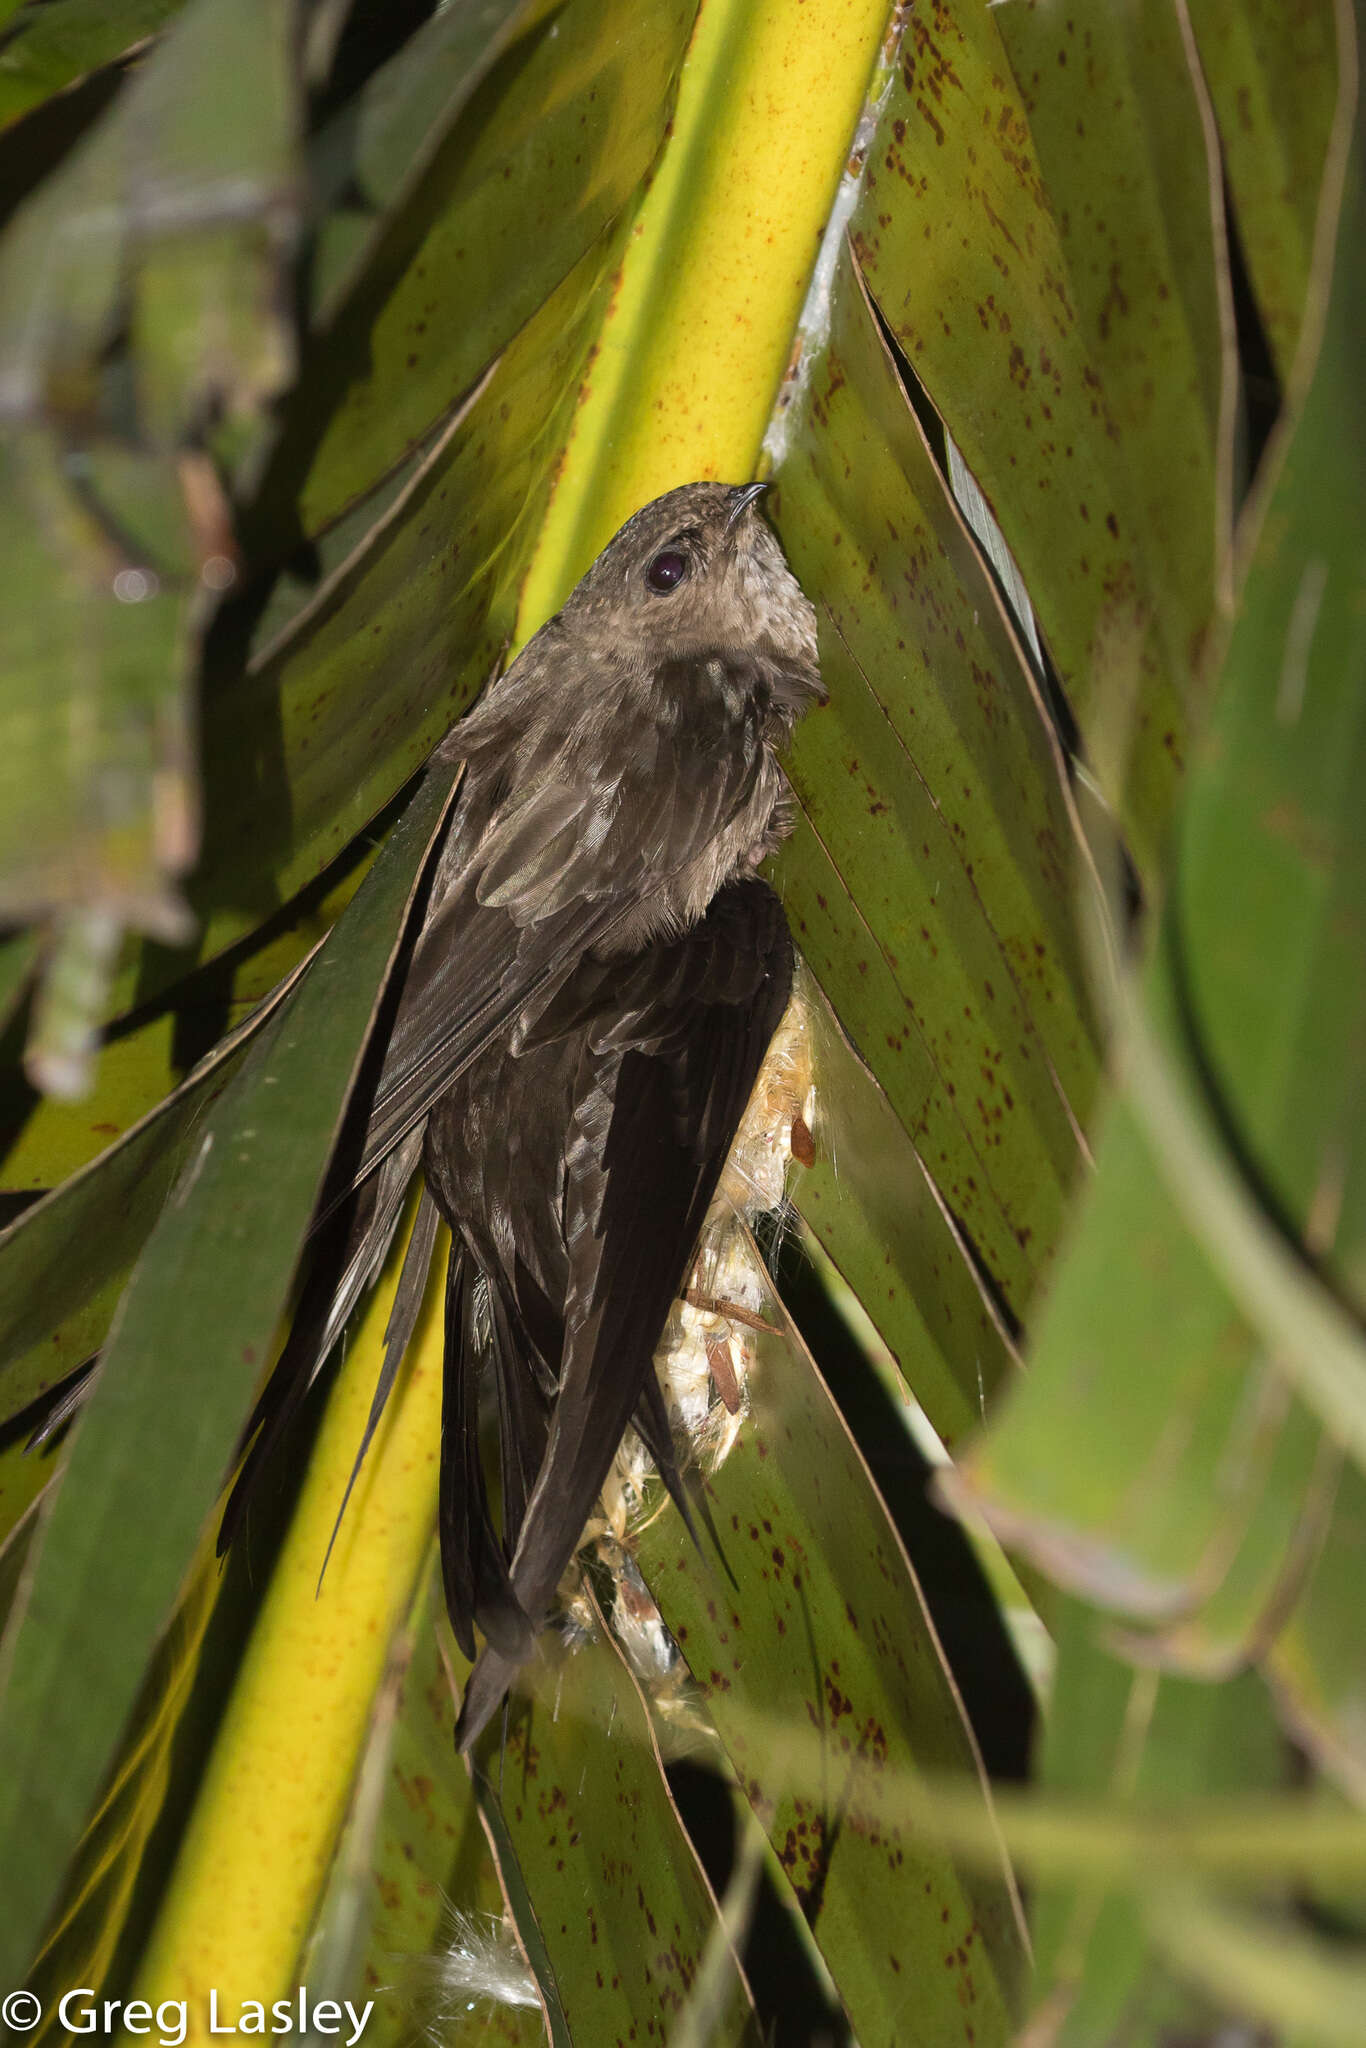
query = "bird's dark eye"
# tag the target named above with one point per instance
(667, 570)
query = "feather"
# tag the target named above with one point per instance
(473, 1567)
(398, 1331)
(573, 1038)
(652, 1117)
(356, 1237)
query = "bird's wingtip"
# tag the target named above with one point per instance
(484, 1690)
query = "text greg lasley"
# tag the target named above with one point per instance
(292, 2016)
(80, 2012)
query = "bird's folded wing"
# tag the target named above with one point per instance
(548, 878)
(693, 1033)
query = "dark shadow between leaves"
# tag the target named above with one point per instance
(967, 1619)
(793, 2007)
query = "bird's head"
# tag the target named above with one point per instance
(698, 573)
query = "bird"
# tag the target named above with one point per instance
(573, 1037)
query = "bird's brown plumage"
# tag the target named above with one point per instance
(580, 1022)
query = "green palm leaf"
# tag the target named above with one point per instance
(1004, 301)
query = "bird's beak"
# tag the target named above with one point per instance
(739, 499)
